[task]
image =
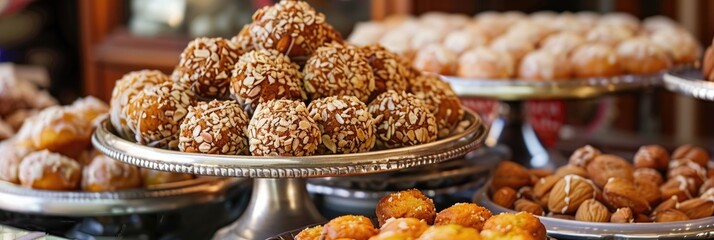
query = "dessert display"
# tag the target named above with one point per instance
(283, 128)
(215, 127)
(708, 64)
(345, 123)
(411, 215)
(598, 187)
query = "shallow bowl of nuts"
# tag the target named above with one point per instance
(598, 195)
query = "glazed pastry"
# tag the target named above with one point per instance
(544, 66)
(562, 43)
(283, 128)
(708, 65)
(216, 127)
(449, 232)
(462, 40)
(366, 33)
(465, 214)
(506, 222)
(436, 59)
(441, 100)
(389, 71)
(595, 60)
(152, 177)
(57, 129)
(654, 23)
(681, 46)
(17, 118)
(406, 204)
(391, 235)
(336, 70)
(206, 66)
(517, 47)
(11, 159)
(402, 119)
(6, 130)
(91, 108)
(124, 91)
(532, 32)
(349, 227)
(345, 123)
(313, 233)
(426, 37)
(106, 174)
(49, 171)
(608, 35)
(485, 63)
(621, 19)
(411, 227)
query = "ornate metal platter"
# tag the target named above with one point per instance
(690, 82)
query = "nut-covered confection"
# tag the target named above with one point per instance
(584, 155)
(106, 174)
(152, 177)
(435, 58)
(337, 69)
(11, 159)
(408, 203)
(58, 129)
(283, 128)
(604, 167)
(544, 185)
(124, 91)
(620, 192)
(292, 27)
(349, 227)
(216, 127)
(640, 56)
(571, 169)
(464, 214)
(49, 171)
(482, 62)
(206, 66)
(652, 156)
(243, 39)
(569, 192)
(689, 169)
(679, 186)
(345, 123)
(592, 211)
(506, 222)
(388, 69)
(697, 154)
(263, 75)
(441, 101)
(402, 119)
(543, 65)
(412, 227)
(595, 60)
(649, 191)
(708, 63)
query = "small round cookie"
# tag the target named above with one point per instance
(151, 177)
(608, 35)
(484, 62)
(450, 232)
(243, 39)
(388, 69)
(206, 66)
(435, 58)
(90, 107)
(49, 171)
(515, 46)
(11, 159)
(461, 40)
(313, 233)
(680, 45)
(57, 129)
(465, 214)
(441, 100)
(106, 174)
(283, 128)
(562, 43)
(124, 91)
(402, 119)
(345, 123)
(595, 60)
(640, 56)
(337, 69)
(349, 227)
(263, 75)
(506, 222)
(544, 65)
(155, 114)
(215, 127)
(412, 227)
(406, 204)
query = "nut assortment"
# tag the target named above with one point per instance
(598, 187)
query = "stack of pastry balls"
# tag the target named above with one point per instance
(249, 95)
(540, 46)
(409, 214)
(52, 151)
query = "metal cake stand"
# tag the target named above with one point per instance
(689, 82)
(280, 201)
(512, 129)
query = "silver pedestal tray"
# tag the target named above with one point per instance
(280, 201)
(690, 82)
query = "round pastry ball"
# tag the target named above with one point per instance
(206, 66)
(441, 101)
(562, 43)
(402, 119)
(215, 127)
(345, 123)
(153, 177)
(106, 174)
(608, 35)
(293, 28)
(506, 222)
(406, 204)
(50, 171)
(313, 233)
(621, 19)
(90, 108)
(57, 129)
(263, 75)
(640, 56)
(392, 236)
(349, 227)
(243, 39)
(436, 58)
(544, 66)
(155, 114)
(11, 159)
(461, 40)
(411, 227)
(680, 45)
(465, 214)
(450, 232)
(517, 47)
(338, 70)
(388, 70)
(283, 128)
(124, 91)
(595, 60)
(483, 62)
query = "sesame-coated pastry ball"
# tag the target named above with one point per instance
(313, 233)
(263, 75)
(283, 128)
(595, 60)
(11, 159)
(450, 232)
(57, 129)
(464, 214)
(402, 119)
(389, 71)
(437, 59)
(106, 174)
(215, 127)
(50, 171)
(124, 91)
(544, 66)
(640, 56)
(292, 27)
(345, 123)
(152, 177)
(155, 114)
(206, 66)
(505, 222)
(482, 62)
(336, 70)
(349, 227)
(406, 204)
(441, 101)
(412, 227)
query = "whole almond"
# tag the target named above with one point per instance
(670, 215)
(510, 174)
(622, 215)
(642, 218)
(649, 191)
(571, 169)
(679, 186)
(697, 208)
(670, 203)
(568, 193)
(544, 185)
(652, 156)
(620, 193)
(543, 201)
(505, 197)
(697, 154)
(606, 166)
(708, 194)
(525, 193)
(708, 184)
(648, 175)
(523, 205)
(592, 211)
(689, 169)
(540, 172)
(582, 156)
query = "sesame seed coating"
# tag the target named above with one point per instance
(283, 128)
(215, 127)
(345, 123)
(263, 75)
(441, 101)
(402, 120)
(206, 66)
(125, 89)
(389, 73)
(338, 70)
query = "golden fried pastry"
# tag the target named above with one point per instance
(215, 127)
(57, 129)
(513, 234)
(90, 107)
(563, 43)
(283, 128)
(345, 123)
(402, 119)
(506, 222)
(389, 71)
(530, 31)
(516, 47)
(406, 204)
(450, 232)
(106, 174)
(441, 101)
(336, 70)
(391, 235)
(410, 227)
(465, 214)
(313, 233)
(206, 66)
(435, 58)
(543, 65)
(620, 19)
(680, 45)
(349, 227)
(640, 56)
(12, 155)
(595, 60)
(49, 171)
(484, 62)
(608, 35)
(124, 91)
(153, 177)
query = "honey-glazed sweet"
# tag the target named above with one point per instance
(441, 100)
(130, 85)
(90, 108)
(349, 227)
(640, 56)
(544, 66)
(345, 123)
(462, 40)
(410, 227)
(608, 35)
(283, 128)
(337, 69)
(465, 214)
(620, 19)
(389, 71)
(595, 60)
(513, 234)
(206, 66)
(11, 159)
(562, 43)
(313, 233)
(263, 75)
(215, 127)
(406, 204)
(435, 58)
(482, 62)
(57, 129)
(450, 232)
(402, 119)
(106, 174)
(506, 222)
(50, 171)
(680, 45)
(151, 177)
(391, 235)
